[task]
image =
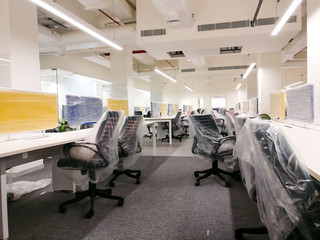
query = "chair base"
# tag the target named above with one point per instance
(215, 170)
(128, 172)
(179, 137)
(92, 192)
(257, 230)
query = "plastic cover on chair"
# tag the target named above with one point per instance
(287, 196)
(207, 138)
(130, 140)
(98, 153)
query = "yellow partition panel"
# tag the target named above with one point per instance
(175, 108)
(117, 105)
(164, 109)
(277, 105)
(143, 110)
(22, 111)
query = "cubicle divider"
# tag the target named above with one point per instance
(300, 103)
(81, 109)
(164, 109)
(117, 105)
(277, 105)
(22, 111)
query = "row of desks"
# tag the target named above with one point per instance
(30, 148)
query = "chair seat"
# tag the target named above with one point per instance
(80, 164)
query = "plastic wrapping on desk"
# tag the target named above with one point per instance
(287, 196)
(207, 140)
(130, 140)
(98, 154)
(300, 103)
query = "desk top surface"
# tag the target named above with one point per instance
(40, 141)
(305, 143)
(159, 118)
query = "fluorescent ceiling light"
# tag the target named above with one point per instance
(5, 60)
(165, 75)
(286, 16)
(248, 70)
(75, 21)
(189, 88)
(293, 84)
(239, 85)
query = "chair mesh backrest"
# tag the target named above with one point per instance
(104, 136)
(288, 199)
(177, 120)
(129, 137)
(207, 132)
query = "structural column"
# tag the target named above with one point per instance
(313, 39)
(269, 78)
(19, 50)
(156, 88)
(121, 72)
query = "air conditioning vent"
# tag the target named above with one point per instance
(188, 70)
(230, 50)
(176, 54)
(153, 32)
(228, 67)
(241, 24)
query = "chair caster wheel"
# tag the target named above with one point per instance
(111, 184)
(138, 181)
(197, 183)
(62, 209)
(227, 184)
(196, 175)
(90, 214)
(120, 202)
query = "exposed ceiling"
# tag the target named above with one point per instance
(124, 21)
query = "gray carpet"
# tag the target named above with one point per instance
(166, 205)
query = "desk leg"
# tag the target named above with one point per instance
(4, 230)
(170, 132)
(154, 138)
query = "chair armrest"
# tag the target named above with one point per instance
(223, 140)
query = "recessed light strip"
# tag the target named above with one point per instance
(165, 75)
(286, 16)
(75, 21)
(248, 70)
(239, 85)
(4, 60)
(189, 88)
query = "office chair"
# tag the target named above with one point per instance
(176, 128)
(136, 113)
(208, 141)
(221, 122)
(287, 196)
(95, 159)
(128, 144)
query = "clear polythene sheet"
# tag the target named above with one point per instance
(207, 140)
(98, 154)
(287, 196)
(130, 141)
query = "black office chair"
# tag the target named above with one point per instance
(208, 141)
(129, 144)
(95, 158)
(137, 113)
(177, 131)
(287, 196)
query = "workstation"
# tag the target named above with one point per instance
(159, 89)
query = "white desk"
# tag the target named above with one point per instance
(305, 143)
(154, 122)
(20, 151)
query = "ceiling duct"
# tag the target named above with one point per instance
(92, 4)
(176, 13)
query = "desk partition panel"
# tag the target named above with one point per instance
(81, 109)
(277, 105)
(155, 108)
(22, 111)
(300, 103)
(118, 104)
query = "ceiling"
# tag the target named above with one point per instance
(127, 20)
